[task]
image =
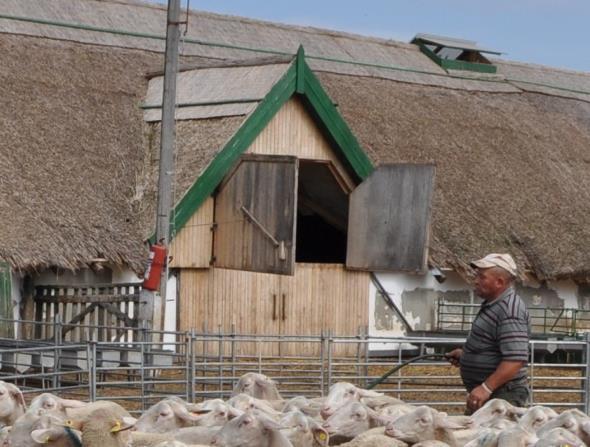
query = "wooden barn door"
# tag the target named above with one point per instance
(255, 215)
(389, 219)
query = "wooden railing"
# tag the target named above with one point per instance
(89, 312)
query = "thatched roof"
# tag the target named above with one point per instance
(71, 139)
(141, 25)
(510, 148)
(511, 170)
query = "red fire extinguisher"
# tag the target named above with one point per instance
(155, 265)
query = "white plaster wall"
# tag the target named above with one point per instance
(395, 284)
(16, 292)
(567, 291)
(121, 276)
(170, 312)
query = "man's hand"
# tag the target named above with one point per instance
(454, 356)
(477, 398)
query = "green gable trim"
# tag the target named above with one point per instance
(243, 138)
(300, 62)
(449, 64)
(297, 79)
(334, 126)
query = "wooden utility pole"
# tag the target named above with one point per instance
(167, 141)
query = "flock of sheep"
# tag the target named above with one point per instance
(257, 416)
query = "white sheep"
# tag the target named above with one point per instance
(12, 403)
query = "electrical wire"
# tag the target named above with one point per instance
(283, 53)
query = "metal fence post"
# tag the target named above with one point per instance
(92, 364)
(322, 366)
(366, 347)
(329, 342)
(587, 379)
(189, 366)
(142, 375)
(233, 355)
(259, 348)
(56, 352)
(205, 353)
(359, 338)
(220, 360)
(532, 374)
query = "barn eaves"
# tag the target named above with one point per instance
(455, 54)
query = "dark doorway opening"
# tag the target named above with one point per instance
(322, 214)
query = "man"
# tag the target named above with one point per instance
(494, 358)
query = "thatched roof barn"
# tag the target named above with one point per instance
(79, 154)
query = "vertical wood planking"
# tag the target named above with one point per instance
(292, 131)
(318, 297)
(191, 247)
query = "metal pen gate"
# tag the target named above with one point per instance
(137, 374)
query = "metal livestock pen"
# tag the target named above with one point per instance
(198, 365)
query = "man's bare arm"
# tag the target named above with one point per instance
(505, 372)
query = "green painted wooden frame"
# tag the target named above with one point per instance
(449, 64)
(298, 79)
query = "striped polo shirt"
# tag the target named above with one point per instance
(500, 331)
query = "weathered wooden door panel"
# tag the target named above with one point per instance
(255, 215)
(231, 300)
(389, 219)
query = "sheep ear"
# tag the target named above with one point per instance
(181, 412)
(42, 436)
(369, 393)
(124, 423)
(321, 436)
(17, 395)
(70, 403)
(517, 411)
(379, 418)
(444, 422)
(267, 422)
(233, 413)
(72, 423)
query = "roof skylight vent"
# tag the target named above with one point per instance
(455, 54)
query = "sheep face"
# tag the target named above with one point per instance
(423, 424)
(249, 430)
(342, 393)
(258, 386)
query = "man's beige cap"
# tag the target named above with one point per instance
(502, 260)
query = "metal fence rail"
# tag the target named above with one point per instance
(197, 365)
(544, 320)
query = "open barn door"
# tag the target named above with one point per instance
(255, 214)
(389, 219)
